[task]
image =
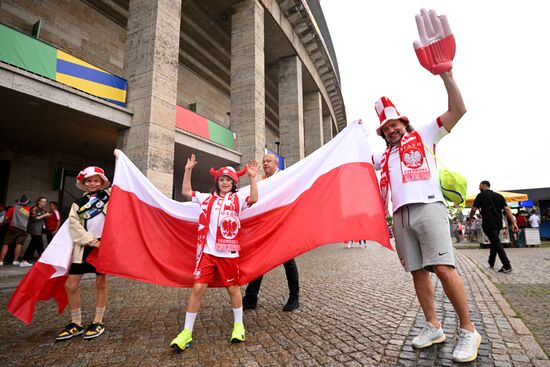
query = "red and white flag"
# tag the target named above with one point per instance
(46, 279)
(330, 196)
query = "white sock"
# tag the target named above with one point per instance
(76, 316)
(238, 313)
(99, 312)
(190, 320)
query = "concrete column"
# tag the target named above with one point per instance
(313, 121)
(291, 111)
(248, 79)
(151, 67)
(327, 128)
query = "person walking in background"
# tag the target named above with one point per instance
(35, 227)
(492, 205)
(17, 231)
(53, 222)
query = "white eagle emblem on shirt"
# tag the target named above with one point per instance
(413, 158)
(229, 227)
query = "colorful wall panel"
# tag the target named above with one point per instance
(40, 58)
(88, 78)
(201, 126)
(27, 53)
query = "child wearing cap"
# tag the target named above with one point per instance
(217, 243)
(86, 220)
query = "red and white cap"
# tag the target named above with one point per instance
(386, 111)
(227, 171)
(89, 172)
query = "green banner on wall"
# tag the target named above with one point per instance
(221, 135)
(201, 126)
(27, 53)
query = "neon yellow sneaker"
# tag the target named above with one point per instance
(183, 340)
(238, 333)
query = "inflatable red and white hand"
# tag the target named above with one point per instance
(436, 48)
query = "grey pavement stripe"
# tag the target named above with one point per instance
(492, 296)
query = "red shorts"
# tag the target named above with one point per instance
(224, 269)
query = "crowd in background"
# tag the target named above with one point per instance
(27, 224)
(34, 225)
(472, 232)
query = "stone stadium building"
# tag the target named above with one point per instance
(160, 79)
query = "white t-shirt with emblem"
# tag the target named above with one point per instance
(210, 247)
(421, 191)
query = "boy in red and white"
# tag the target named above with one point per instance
(86, 220)
(217, 243)
(420, 220)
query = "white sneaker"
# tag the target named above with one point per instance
(15, 263)
(24, 263)
(1, 263)
(467, 346)
(428, 336)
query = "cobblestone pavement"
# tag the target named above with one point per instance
(527, 288)
(358, 308)
(531, 265)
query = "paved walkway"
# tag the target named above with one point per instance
(527, 288)
(358, 309)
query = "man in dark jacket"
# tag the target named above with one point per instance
(492, 204)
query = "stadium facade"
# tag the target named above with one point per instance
(160, 79)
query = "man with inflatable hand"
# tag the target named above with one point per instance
(420, 221)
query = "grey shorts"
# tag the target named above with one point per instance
(422, 236)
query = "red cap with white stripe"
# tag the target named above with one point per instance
(386, 111)
(90, 172)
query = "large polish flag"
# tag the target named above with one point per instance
(46, 279)
(330, 196)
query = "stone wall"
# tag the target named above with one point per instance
(71, 26)
(270, 138)
(32, 170)
(211, 102)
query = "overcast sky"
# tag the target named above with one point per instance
(501, 67)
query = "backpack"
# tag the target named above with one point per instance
(453, 184)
